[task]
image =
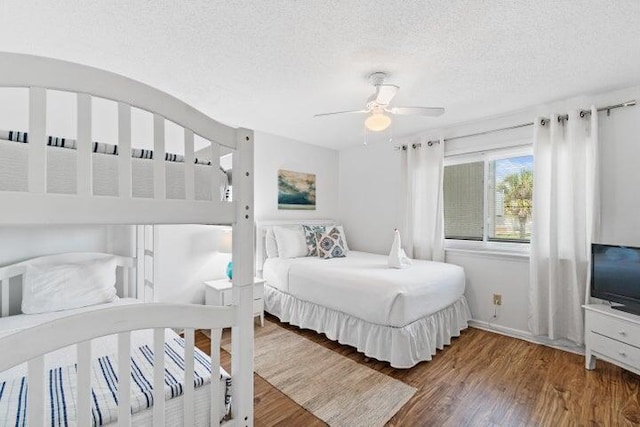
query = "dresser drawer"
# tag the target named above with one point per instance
(615, 328)
(227, 295)
(615, 350)
(258, 291)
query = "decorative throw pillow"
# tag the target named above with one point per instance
(310, 232)
(330, 244)
(344, 237)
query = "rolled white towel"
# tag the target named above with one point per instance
(397, 257)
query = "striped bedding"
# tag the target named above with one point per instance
(61, 382)
(97, 147)
(61, 385)
(61, 377)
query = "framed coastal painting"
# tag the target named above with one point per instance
(296, 190)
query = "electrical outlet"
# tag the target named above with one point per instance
(497, 299)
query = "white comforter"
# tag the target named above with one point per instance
(363, 286)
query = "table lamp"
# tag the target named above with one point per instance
(225, 246)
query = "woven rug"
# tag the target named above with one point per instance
(332, 387)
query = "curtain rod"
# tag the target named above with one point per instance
(583, 113)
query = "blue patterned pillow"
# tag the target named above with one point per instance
(310, 236)
(330, 244)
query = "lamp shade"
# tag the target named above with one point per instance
(377, 122)
(225, 244)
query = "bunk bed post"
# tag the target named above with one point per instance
(155, 261)
(215, 171)
(189, 167)
(37, 172)
(84, 166)
(243, 265)
(159, 174)
(124, 151)
(140, 262)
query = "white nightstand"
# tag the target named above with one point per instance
(219, 293)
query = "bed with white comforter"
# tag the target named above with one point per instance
(397, 315)
(61, 377)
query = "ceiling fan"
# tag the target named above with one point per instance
(378, 106)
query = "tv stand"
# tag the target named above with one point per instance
(613, 335)
(627, 309)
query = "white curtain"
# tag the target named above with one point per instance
(422, 210)
(565, 207)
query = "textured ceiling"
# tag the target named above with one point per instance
(271, 65)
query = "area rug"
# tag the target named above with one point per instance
(332, 387)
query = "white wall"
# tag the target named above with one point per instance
(620, 154)
(187, 256)
(21, 243)
(487, 274)
(369, 180)
(275, 152)
(369, 196)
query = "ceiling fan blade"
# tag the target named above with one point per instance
(342, 112)
(417, 111)
(385, 93)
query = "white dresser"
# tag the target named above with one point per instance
(612, 335)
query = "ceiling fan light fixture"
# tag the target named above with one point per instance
(377, 122)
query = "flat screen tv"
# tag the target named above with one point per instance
(615, 275)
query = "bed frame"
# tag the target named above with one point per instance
(37, 206)
(432, 336)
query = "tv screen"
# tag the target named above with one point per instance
(616, 274)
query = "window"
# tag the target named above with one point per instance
(488, 197)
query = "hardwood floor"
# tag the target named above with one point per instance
(482, 379)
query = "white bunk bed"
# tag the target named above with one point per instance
(77, 332)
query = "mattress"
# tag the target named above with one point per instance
(363, 286)
(107, 346)
(61, 173)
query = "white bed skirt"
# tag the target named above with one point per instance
(402, 347)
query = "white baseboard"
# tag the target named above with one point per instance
(526, 336)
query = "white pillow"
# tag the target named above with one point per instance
(55, 287)
(291, 241)
(270, 244)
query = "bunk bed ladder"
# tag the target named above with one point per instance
(146, 261)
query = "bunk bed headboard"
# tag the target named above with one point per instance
(125, 264)
(38, 206)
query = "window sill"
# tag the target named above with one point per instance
(524, 256)
(490, 250)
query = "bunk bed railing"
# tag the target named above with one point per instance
(19, 70)
(37, 206)
(34, 343)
